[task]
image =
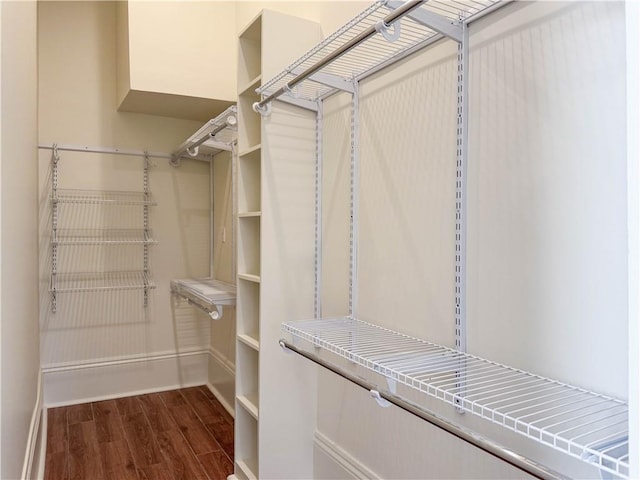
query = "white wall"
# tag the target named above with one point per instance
(19, 226)
(77, 48)
(547, 236)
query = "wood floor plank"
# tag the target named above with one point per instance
(56, 466)
(162, 436)
(155, 472)
(128, 406)
(157, 413)
(194, 431)
(222, 431)
(57, 430)
(84, 458)
(199, 402)
(117, 461)
(216, 464)
(179, 457)
(216, 403)
(79, 413)
(107, 419)
(172, 398)
(142, 444)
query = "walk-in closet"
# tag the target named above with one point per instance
(368, 239)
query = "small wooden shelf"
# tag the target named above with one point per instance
(250, 150)
(249, 341)
(251, 86)
(249, 403)
(249, 214)
(249, 277)
(246, 469)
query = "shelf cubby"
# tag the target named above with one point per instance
(249, 125)
(249, 174)
(249, 245)
(249, 309)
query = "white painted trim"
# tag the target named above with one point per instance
(120, 360)
(220, 398)
(70, 384)
(43, 445)
(344, 459)
(227, 364)
(34, 431)
(228, 367)
(632, 18)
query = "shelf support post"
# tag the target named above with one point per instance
(145, 214)
(318, 214)
(55, 157)
(461, 202)
(353, 231)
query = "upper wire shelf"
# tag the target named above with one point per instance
(217, 135)
(94, 236)
(368, 43)
(102, 197)
(573, 420)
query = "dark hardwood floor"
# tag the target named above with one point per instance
(177, 435)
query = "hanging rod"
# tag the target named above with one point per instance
(495, 449)
(386, 22)
(108, 150)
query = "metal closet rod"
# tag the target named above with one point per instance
(354, 42)
(113, 151)
(518, 461)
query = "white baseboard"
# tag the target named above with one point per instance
(35, 439)
(221, 380)
(341, 463)
(72, 383)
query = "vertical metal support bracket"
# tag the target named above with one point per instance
(234, 210)
(461, 205)
(317, 299)
(353, 231)
(145, 214)
(55, 158)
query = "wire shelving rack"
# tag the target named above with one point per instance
(572, 420)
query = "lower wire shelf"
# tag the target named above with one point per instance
(208, 294)
(586, 425)
(98, 282)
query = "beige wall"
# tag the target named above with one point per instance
(18, 225)
(77, 90)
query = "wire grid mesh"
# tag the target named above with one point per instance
(205, 291)
(96, 282)
(100, 236)
(583, 424)
(374, 51)
(103, 197)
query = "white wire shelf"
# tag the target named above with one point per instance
(99, 282)
(217, 135)
(207, 292)
(86, 236)
(575, 421)
(376, 51)
(103, 197)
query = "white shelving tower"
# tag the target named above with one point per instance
(263, 50)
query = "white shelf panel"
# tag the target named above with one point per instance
(103, 197)
(86, 236)
(249, 403)
(249, 341)
(249, 277)
(246, 469)
(249, 214)
(97, 282)
(251, 86)
(207, 292)
(583, 424)
(250, 150)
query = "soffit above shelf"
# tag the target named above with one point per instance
(172, 105)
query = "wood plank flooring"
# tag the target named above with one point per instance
(177, 435)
